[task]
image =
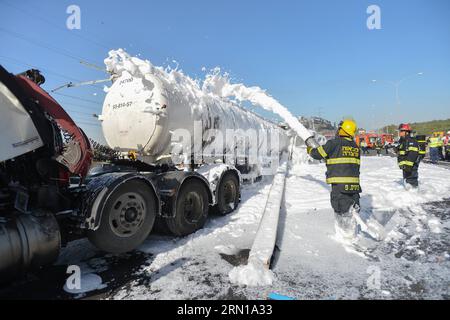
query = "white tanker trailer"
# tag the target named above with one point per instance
(160, 121)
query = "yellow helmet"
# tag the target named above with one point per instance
(347, 128)
(132, 155)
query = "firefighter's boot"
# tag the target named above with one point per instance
(345, 226)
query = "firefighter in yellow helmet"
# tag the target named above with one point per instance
(342, 156)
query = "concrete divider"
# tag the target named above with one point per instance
(257, 270)
(264, 243)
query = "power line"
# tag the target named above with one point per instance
(77, 98)
(46, 70)
(89, 124)
(105, 45)
(55, 25)
(46, 46)
(80, 84)
(80, 112)
(18, 62)
(85, 120)
(78, 106)
(66, 77)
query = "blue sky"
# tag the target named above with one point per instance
(315, 57)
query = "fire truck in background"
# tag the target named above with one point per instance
(371, 138)
(387, 138)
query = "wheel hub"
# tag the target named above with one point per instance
(193, 207)
(128, 214)
(131, 214)
(229, 191)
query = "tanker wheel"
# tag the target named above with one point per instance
(191, 209)
(127, 218)
(228, 194)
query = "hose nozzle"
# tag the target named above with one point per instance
(312, 143)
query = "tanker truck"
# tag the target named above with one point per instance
(166, 176)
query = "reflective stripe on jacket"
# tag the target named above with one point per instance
(435, 142)
(422, 141)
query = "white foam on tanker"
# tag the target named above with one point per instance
(215, 84)
(220, 85)
(174, 80)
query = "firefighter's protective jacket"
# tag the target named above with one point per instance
(408, 153)
(343, 160)
(422, 141)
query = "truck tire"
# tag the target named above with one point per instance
(191, 209)
(228, 194)
(127, 218)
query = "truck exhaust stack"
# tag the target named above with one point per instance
(28, 241)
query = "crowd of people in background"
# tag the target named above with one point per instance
(438, 145)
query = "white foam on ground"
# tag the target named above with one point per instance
(311, 264)
(227, 249)
(253, 274)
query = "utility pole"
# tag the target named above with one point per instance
(397, 85)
